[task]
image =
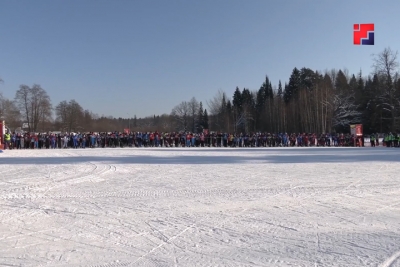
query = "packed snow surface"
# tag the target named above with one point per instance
(200, 207)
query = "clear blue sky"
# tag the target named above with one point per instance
(144, 57)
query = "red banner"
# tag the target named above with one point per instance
(359, 129)
(356, 129)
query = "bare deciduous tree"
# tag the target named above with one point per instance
(194, 108)
(181, 114)
(70, 115)
(165, 122)
(34, 104)
(10, 113)
(1, 106)
(214, 104)
(386, 67)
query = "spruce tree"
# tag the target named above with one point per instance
(134, 121)
(205, 119)
(270, 91)
(286, 94)
(237, 102)
(228, 116)
(353, 84)
(200, 118)
(280, 91)
(341, 84)
(294, 85)
(260, 99)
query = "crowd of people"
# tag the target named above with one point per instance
(187, 139)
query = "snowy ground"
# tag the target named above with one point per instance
(200, 207)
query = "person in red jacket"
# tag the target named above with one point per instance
(188, 139)
(151, 139)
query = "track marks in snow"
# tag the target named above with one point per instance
(113, 264)
(392, 259)
(94, 175)
(110, 208)
(168, 241)
(295, 192)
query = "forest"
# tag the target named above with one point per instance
(310, 101)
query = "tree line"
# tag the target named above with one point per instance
(311, 101)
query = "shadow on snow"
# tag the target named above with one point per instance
(205, 156)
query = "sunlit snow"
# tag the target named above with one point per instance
(200, 207)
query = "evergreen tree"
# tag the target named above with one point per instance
(249, 109)
(237, 103)
(375, 107)
(280, 91)
(286, 94)
(308, 78)
(341, 84)
(361, 97)
(222, 113)
(265, 88)
(200, 118)
(223, 104)
(293, 86)
(205, 119)
(228, 115)
(270, 91)
(353, 84)
(369, 108)
(260, 99)
(237, 100)
(134, 121)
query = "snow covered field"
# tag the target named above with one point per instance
(200, 207)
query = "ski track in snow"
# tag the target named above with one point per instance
(200, 207)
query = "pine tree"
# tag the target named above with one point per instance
(228, 115)
(205, 119)
(260, 99)
(341, 84)
(270, 91)
(353, 85)
(286, 94)
(293, 86)
(200, 118)
(375, 107)
(134, 121)
(223, 103)
(360, 95)
(308, 78)
(280, 91)
(249, 108)
(237, 100)
(265, 88)
(222, 113)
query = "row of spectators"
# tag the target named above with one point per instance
(187, 139)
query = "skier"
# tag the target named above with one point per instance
(372, 139)
(7, 140)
